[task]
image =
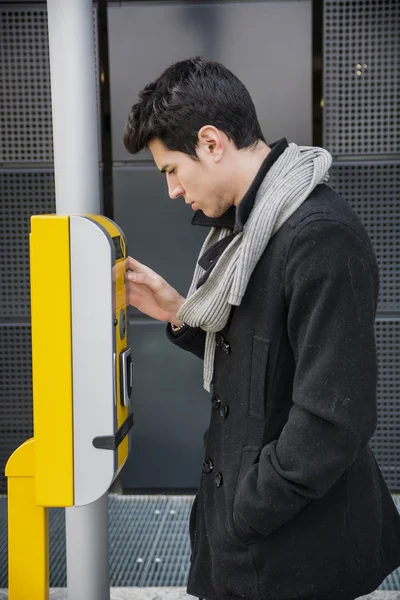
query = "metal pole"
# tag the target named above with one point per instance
(74, 108)
(76, 165)
(88, 575)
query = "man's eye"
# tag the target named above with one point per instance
(172, 172)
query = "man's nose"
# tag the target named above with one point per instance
(175, 191)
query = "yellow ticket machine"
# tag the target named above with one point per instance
(82, 383)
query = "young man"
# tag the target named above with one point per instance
(281, 309)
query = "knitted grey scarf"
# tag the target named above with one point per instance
(287, 184)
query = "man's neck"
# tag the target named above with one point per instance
(248, 165)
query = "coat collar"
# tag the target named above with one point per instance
(235, 218)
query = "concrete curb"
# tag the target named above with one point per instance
(174, 593)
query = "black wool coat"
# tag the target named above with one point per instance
(291, 502)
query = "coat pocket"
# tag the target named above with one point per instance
(250, 456)
(259, 364)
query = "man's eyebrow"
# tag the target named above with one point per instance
(165, 167)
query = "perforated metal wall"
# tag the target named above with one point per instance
(26, 188)
(386, 441)
(361, 71)
(25, 102)
(22, 194)
(25, 97)
(373, 192)
(360, 119)
(361, 128)
(15, 391)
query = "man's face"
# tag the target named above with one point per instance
(202, 183)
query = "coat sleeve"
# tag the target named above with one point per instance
(331, 288)
(192, 339)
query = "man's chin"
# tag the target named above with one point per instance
(213, 214)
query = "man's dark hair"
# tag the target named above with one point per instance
(188, 95)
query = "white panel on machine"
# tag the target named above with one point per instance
(93, 350)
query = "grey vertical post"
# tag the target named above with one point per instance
(88, 576)
(74, 109)
(76, 165)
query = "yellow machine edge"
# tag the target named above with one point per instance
(52, 359)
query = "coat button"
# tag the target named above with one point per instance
(226, 348)
(223, 411)
(219, 339)
(216, 402)
(208, 466)
(222, 343)
(218, 479)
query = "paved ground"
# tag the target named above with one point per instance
(159, 593)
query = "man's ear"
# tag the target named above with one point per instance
(210, 142)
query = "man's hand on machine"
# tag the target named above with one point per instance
(151, 294)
